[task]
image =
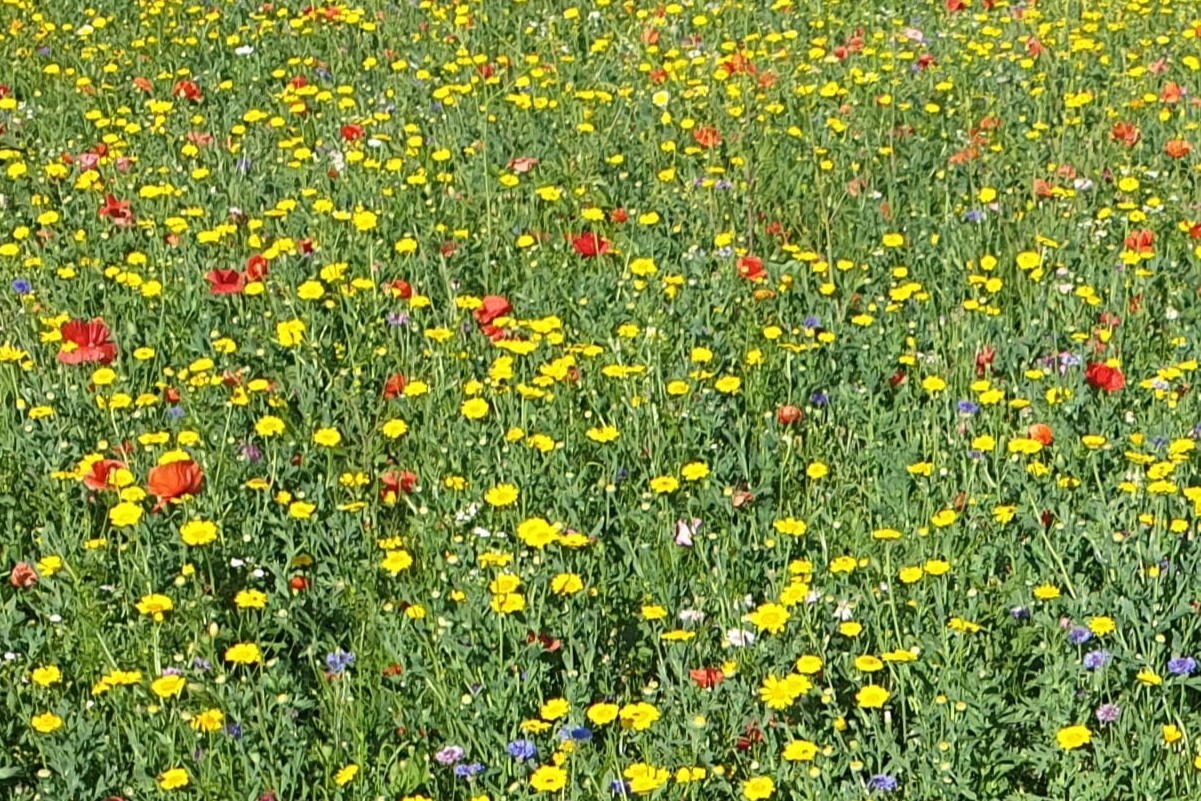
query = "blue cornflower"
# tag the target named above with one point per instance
(22, 286)
(338, 661)
(967, 407)
(466, 771)
(1182, 666)
(1079, 635)
(522, 750)
(1095, 660)
(882, 782)
(812, 321)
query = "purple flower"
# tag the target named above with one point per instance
(233, 730)
(397, 319)
(1094, 660)
(251, 453)
(201, 664)
(449, 755)
(522, 750)
(1079, 635)
(22, 287)
(882, 782)
(468, 770)
(1108, 713)
(338, 661)
(1182, 666)
(973, 216)
(967, 407)
(819, 399)
(812, 321)
(1020, 613)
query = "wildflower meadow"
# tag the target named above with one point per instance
(586, 399)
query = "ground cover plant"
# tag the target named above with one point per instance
(493, 400)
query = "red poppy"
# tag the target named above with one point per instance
(1124, 132)
(739, 64)
(395, 386)
(984, 360)
(143, 84)
(1034, 48)
(298, 583)
(170, 482)
(118, 211)
(393, 670)
(396, 483)
(1042, 433)
(256, 267)
(707, 137)
(547, 642)
(707, 678)
(897, 378)
(400, 289)
(226, 282)
(1172, 92)
(188, 91)
(926, 61)
(619, 215)
(1103, 377)
(491, 307)
(751, 268)
(787, 415)
(590, 245)
(100, 474)
(1177, 148)
(23, 576)
(90, 341)
(956, 5)
(352, 133)
(1140, 241)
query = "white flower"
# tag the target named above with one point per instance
(739, 638)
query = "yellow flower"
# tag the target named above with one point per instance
(868, 663)
(1072, 737)
(872, 696)
(168, 686)
(1149, 677)
(1171, 733)
(554, 709)
(694, 471)
(728, 385)
(653, 612)
(474, 409)
(1046, 592)
(250, 599)
(209, 721)
(396, 562)
(639, 716)
(46, 723)
(289, 334)
(502, 495)
(809, 664)
(346, 775)
(662, 485)
(601, 714)
(909, 575)
(548, 779)
(47, 675)
(758, 788)
(198, 532)
(817, 470)
(537, 532)
(933, 384)
(791, 526)
(894, 240)
(603, 434)
(268, 426)
(125, 514)
(800, 751)
(327, 437)
(155, 606)
(244, 653)
(566, 584)
(1101, 626)
(769, 617)
(173, 779)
